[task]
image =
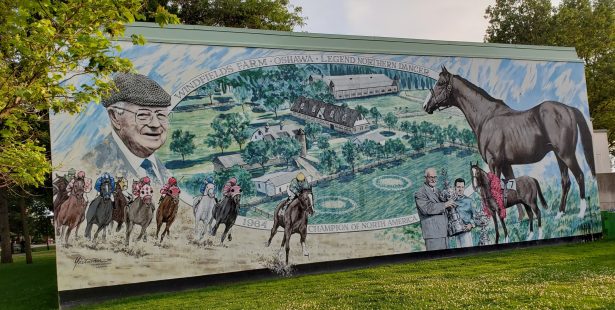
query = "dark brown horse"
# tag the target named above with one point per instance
(225, 213)
(509, 137)
(120, 202)
(100, 211)
(526, 193)
(72, 211)
(294, 220)
(61, 195)
(166, 213)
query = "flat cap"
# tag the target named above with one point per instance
(137, 89)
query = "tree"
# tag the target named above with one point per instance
(406, 127)
(219, 137)
(287, 148)
(257, 152)
(329, 160)
(350, 153)
(182, 143)
(44, 44)
(375, 114)
(452, 132)
(587, 25)
(418, 143)
(253, 14)
(207, 90)
(362, 110)
(323, 142)
(244, 179)
(311, 131)
(369, 148)
(391, 120)
(237, 126)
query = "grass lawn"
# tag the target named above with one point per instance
(551, 277)
(30, 286)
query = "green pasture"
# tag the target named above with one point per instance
(29, 286)
(573, 276)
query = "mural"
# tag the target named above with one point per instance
(331, 156)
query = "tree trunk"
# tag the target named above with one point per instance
(26, 231)
(5, 233)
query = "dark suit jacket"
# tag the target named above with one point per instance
(108, 157)
(431, 213)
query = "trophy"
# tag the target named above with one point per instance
(455, 224)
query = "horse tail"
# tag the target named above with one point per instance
(542, 198)
(586, 139)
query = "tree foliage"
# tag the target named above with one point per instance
(253, 14)
(587, 25)
(287, 148)
(257, 152)
(182, 142)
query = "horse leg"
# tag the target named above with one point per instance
(88, 230)
(158, 225)
(508, 173)
(563, 169)
(227, 227)
(67, 235)
(303, 246)
(573, 164)
(504, 228)
(128, 230)
(530, 215)
(494, 212)
(274, 229)
(287, 241)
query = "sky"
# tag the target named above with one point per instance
(445, 20)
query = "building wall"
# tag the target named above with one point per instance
(364, 92)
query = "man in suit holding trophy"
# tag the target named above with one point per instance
(431, 206)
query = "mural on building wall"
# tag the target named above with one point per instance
(228, 159)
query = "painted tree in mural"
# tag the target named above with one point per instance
(375, 114)
(390, 120)
(394, 147)
(405, 126)
(219, 137)
(43, 45)
(257, 152)
(362, 110)
(237, 126)
(587, 25)
(452, 133)
(208, 90)
(287, 149)
(418, 143)
(351, 154)
(329, 160)
(182, 142)
(323, 142)
(244, 179)
(369, 148)
(311, 131)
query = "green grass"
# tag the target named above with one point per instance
(29, 286)
(551, 277)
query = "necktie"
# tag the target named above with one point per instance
(149, 169)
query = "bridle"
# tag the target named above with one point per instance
(484, 193)
(443, 96)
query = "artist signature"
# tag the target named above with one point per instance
(96, 262)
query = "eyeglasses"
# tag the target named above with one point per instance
(431, 177)
(144, 116)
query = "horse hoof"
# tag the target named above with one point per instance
(530, 236)
(540, 233)
(506, 240)
(230, 238)
(559, 215)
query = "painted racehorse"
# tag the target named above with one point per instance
(226, 213)
(61, 195)
(120, 202)
(509, 137)
(203, 211)
(140, 212)
(166, 213)
(72, 211)
(294, 220)
(100, 211)
(526, 193)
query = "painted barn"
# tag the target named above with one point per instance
(277, 183)
(335, 117)
(358, 85)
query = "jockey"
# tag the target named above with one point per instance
(136, 188)
(296, 186)
(170, 188)
(227, 190)
(105, 177)
(80, 176)
(207, 184)
(70, 174)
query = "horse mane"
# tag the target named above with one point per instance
(479, 90)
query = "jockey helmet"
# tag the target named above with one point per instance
(106, 175)
(172, 181)
(209, 179)
(233, 181)
(81, 174)
(145, 180)
(71, 173)
(300, 177)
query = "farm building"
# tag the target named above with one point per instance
(271, 133)
(358, 85)
(277, 183)
(374, 136)
(338, 118)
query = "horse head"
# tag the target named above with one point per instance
(479, 177)
(121, 184)
(146, 194)
(307, 200)
(440, 96)
(105, 189)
